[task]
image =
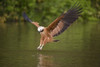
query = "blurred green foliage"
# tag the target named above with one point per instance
(46, 10)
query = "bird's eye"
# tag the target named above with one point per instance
(42, 30)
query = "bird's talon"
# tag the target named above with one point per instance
(38, 47)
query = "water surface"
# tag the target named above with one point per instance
(79, 46)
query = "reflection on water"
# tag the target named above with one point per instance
(45, 61)
(79, 46)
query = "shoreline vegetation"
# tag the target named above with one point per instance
(46, 10)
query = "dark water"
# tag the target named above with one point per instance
(79, 46)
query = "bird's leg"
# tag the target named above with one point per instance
(40, 46)
(42, 43)
(45, 40)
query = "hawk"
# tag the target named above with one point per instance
(58, 26)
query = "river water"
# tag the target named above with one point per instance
(79, 46)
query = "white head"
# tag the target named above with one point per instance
(40, 29)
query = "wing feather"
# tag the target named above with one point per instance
(52, 26)
(65, 20)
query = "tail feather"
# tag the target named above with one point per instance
(26, 17)
(55, 40)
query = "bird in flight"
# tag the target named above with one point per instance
(58, 26)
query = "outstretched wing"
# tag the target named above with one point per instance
(26, 17)
(64, 21)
